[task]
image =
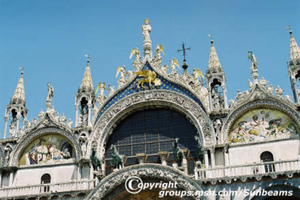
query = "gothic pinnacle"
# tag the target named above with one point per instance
(294, 49)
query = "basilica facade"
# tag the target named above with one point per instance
(157, 126)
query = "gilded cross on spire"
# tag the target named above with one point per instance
(184, 50)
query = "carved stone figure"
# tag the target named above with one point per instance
(164, 69)
(28, 124)
(116, 158)
(111, 90)
(232, 103)
(250, 84)
(239, 95)
(157, 57)
(34, 121)
(217, 127)
(69, 123)
(50, 93)
(82, 142)
(254, 71)
(136, 52)
(130, 74)
(217, 99)
(270, 88)
(22, 131)
(13, 130)
(157, 52)
(7, 150)
(174, 72)
(137, 62)
(122, 79)
(289, 98)
(62, 118)
(263, 82)
(41, 115)
(177, 152)
(278, 91)
(146, 30)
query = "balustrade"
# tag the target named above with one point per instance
(247, 170)
(47, 188)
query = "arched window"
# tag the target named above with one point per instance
(268, 157)
(151, 131)
(46, 179)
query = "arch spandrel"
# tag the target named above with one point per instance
(183, 104)
(24, 143)
(261, 120)
(159, 172)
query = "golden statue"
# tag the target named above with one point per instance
(149, 77)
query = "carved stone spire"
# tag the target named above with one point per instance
(294, 50)
(19, 95)
(85, 99)
(87, 82)
(215, 76)
(294, 67)
(16, 110)
(213, 62)
(147, 44)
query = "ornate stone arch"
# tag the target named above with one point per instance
(195, 113)
(218, 78)
(161, 172)
(265, 103)
(21, 146)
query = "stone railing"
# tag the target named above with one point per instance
(248, 170)
(41, 189)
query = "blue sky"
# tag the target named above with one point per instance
(50, 39)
